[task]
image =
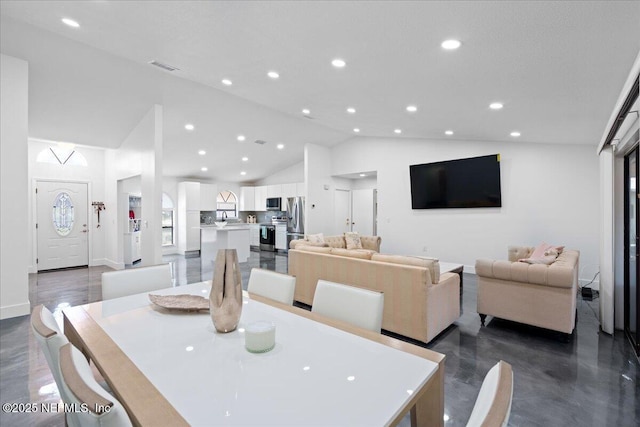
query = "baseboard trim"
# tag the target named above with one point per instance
(9, 311)
(113, 264)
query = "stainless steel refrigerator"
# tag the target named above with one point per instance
(295, 219)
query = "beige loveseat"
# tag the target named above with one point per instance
(368, 242)
(419, 302)
(535, 294)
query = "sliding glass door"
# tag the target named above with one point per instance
(631, 294)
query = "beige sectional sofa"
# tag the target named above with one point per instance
(535, 294)
(371, 243)
(419, 302)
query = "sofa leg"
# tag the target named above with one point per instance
(482, 317)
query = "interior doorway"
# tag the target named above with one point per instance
(62, 225)
(631, 210)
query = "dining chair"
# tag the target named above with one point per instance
(132, 281)
(50, 339)
(493, 405)
(95, 406)
(277, 286)
(360, 307)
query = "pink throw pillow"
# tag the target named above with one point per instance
(540, 250)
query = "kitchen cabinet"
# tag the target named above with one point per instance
(281, 237)
(188, 216)
(274, 190)
(189, 196)
(208, 197)
(247, 199)
(260, 198)
(254, 234)
(288, 190)
(132, 247)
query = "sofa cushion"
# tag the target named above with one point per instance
(335, 241)
(309, 248)
(432, 264)
(319, 245)
(353, 253)
(352, 240)
(314, 238)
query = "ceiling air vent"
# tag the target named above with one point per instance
(259, 141)
(163, 66)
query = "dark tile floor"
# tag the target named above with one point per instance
(593, 380)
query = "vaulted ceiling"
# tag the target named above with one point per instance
(557, 68)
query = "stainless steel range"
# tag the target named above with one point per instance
(268, 233)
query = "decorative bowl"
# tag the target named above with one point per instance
(220, 224)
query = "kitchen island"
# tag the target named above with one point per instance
(213, 238)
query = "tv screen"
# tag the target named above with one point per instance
(461, 183)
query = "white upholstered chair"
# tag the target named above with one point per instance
(50, 339)
(357, 306)
(132, 281)
(270, 284)
(83, 391)
(493, 405)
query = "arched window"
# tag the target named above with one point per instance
(62, 155)
(227, 205)
(167, 220)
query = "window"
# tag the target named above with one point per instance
(63, 214)
(227, 205)
(167, 220)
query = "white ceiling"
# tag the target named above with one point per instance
(558, 67)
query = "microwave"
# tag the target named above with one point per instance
(274, 203)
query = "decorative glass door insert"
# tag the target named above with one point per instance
(63, 214)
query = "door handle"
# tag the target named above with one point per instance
(85, 231)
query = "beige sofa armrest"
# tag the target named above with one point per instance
(296, 242)
(518, 252)
(371, 242)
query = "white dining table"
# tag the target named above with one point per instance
(173, 368)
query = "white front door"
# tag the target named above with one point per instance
(342, 211)
(363, 211)
(62, 227)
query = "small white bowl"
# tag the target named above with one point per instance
(220, 224)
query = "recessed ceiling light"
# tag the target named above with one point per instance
(245, 159)
(306, 111)
(398, 130)
(70, 22)
(243, 173)
(496, 106)
(227, 82)
(515, 134)
(204, 169)
(412, 108)
(363, 174)
(280, 146)
(189, 126)
(338, 63)
(351, 110)
(202, 152)
(356, 130)
(241, 138)
(273, 74)
(448, 132)
(451, 44)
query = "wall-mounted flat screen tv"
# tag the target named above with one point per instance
(461, 183)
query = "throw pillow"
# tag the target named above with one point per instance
(315, 238)
(540, 250)
(352, 239)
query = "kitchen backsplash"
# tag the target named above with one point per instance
(209, 217)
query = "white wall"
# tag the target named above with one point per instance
(14, 202)
(139, 154)
(319, 186)
(289, 175)
(549, 193)
(93, 174)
